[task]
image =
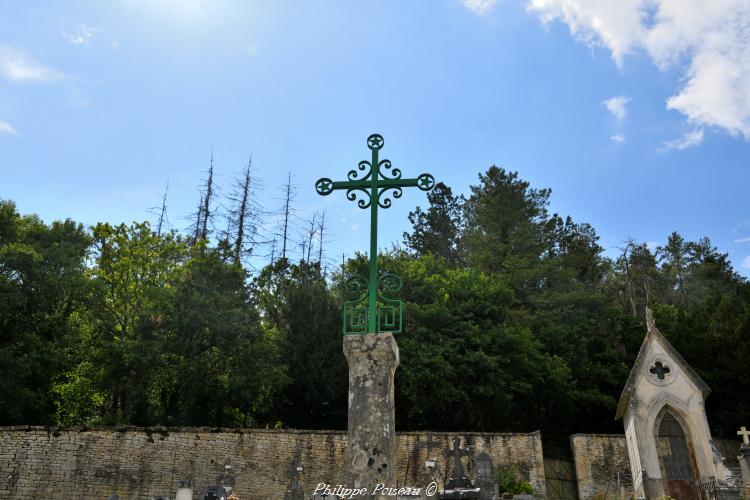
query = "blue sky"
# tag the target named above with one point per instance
(635, 113)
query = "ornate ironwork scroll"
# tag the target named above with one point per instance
(389, 310)
(375, 183)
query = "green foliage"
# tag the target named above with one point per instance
(514, 321)
(510, 481)
(303, 315)
(77, 399)
(437, 230)
(42, 285)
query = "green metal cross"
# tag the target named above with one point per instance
(372, 180)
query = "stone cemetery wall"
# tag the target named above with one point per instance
(37, 462)
(599, 457)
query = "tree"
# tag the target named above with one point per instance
(42, 285)
(287, 212)
(437, 231)
(505, 221)
(226, 369)
(244, 215)
(207, 199)
(132, 278)
(463, 347)
(303, 314)
(675, 263)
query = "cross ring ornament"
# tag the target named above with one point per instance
(375, 142)
(425, 182)
(324, 186)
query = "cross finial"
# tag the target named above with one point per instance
(745, 435)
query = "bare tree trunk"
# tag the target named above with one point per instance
(286, 215)
(163, 213)
(310, 235)
(207, 198)
(273, 250)
(321, 230)
(629, 280)
(198, 218)
(244, 205)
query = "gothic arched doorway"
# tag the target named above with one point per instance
(676, 456)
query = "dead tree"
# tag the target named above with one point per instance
(286, 214)
(321, 232)
(273, 250)
(630, 289)
(244, 213)
(163, 212)
(287, 202)
(207, 198)
(311, 232)
(197, 225)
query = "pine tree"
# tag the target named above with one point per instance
(437, 231)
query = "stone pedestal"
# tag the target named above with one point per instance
(370, 459)
(744, 459)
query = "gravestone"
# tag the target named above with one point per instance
(369, 322)
(184, 490)
(295, 491)
(744, 457)
(486, 477)
(226, 480)
(458, 477)
(214, 492)
(458, 484)
(427, 468)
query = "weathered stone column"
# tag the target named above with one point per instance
(744, 459)
(370, 457)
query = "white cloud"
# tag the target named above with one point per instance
(618, 138)
(709, 41)
(742, 240)
(746, 262)
(617, 106)
(479, 7)
(7, 129)
(81, 35)
(17, 66)
(688, 140)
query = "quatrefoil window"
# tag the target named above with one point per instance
(659, 370)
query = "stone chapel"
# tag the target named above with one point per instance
(668, 439)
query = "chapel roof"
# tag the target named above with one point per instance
(653, 334)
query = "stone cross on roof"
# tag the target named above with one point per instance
(745, 435)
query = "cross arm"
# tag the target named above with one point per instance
(326, 186)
